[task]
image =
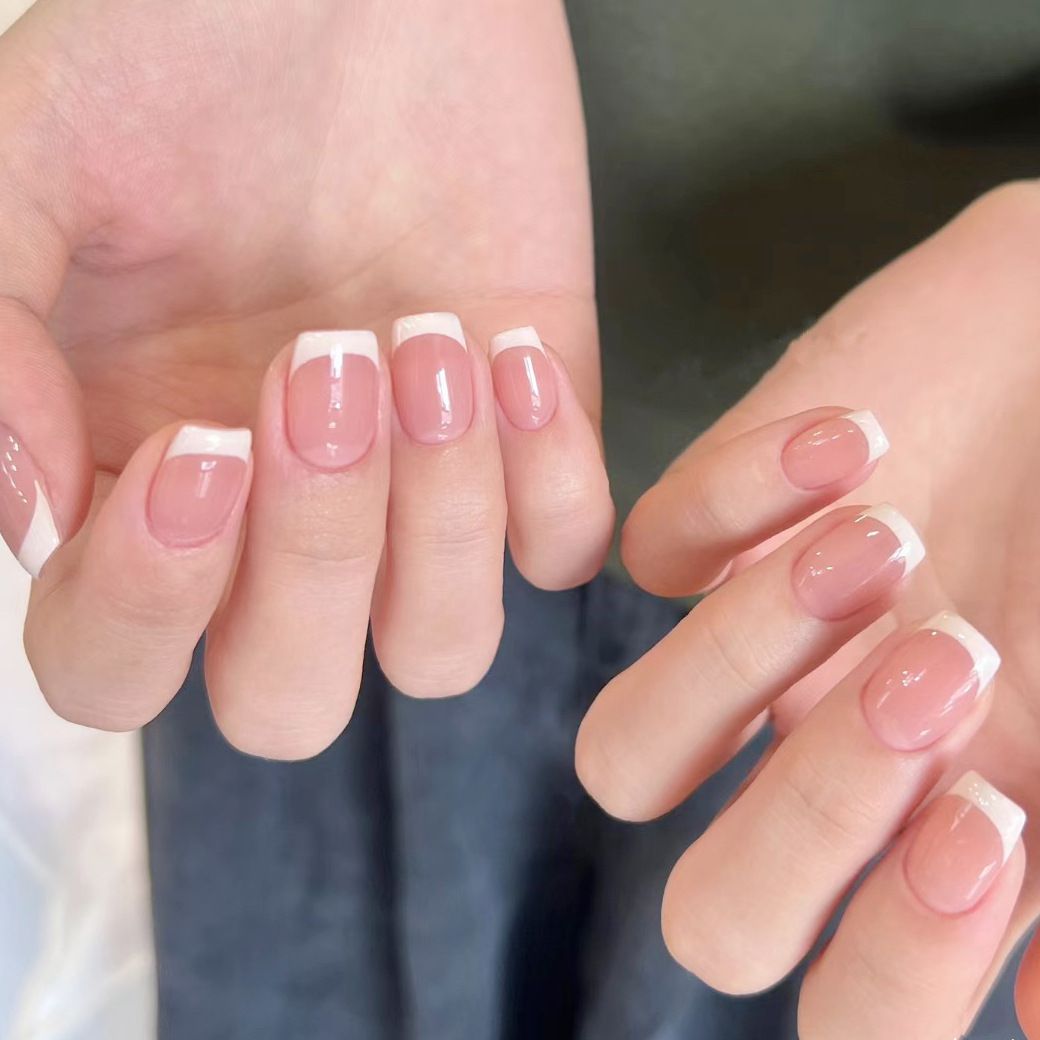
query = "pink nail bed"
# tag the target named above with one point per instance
(832, 450)
(198, 484)
(332, 400)
(855, 562)
(929, 683)
(433, 388)
(525, 383)
(961, 846)
(26, 518)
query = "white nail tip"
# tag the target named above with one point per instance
(211, 440)
(334, 344)
(912, 548)
(1004, 814)
(982, 651)
(42, 538)
(441, 324)
(877, 442)
(522, 337)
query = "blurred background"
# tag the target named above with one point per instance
(751, 162)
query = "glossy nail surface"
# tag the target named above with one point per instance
(433, 387)
(525, 383)
(929, 683)
(198, 485)
(855, 562)
(332, 401)
(833, 450)
(26, 518)
(961, 845)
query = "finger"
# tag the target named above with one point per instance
(922, 932)
(284, 656)
(114, 621)
(46, 468)
(747, 901)
(561, 516)
(437, 614)
(1027, 990)
(665, 724)
(718, 502)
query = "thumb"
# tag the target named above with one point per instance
(45, 458)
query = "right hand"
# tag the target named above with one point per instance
(185, 187)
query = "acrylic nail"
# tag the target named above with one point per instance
(198, 484)
(832, 450)
(855, 562)
(26, 518)
(960, 847)
(332, 399)
(929, 683)
(525, 383)
(433, 387)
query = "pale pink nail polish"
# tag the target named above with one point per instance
(198, 485)
(929, 683)
(855, 562)
(433, 388)
(525, 383)
(26, 518)
(961, 846)
(832, 450)
(332, 400)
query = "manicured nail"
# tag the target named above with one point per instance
(832, 450)
(26, 517)
(855, 562)
(962, 844)
(332, 401)
(525, 383)
(198, 484)
(431, 372)
(929, 683)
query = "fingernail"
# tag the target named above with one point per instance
(431, 373)
(198, 484)
(26, 518)
(332, 401)
(929, 683)
(855, 562)
(961, 845)
(525, 383)
(832, 450)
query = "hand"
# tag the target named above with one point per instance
(185, 188)
(872, 717)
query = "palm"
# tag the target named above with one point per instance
(258, 169)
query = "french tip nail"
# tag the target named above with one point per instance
(436, 323)
(525, 336)
(877, 441)
(211, 440)
(913, 550)
(41, 539)
(983, 653)
(334, 342)
(1007, 816)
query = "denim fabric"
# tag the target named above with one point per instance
(438, 873)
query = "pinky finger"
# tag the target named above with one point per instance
(561, 517)
(921, 934)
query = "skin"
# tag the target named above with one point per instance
(941, 345)
(189, 186)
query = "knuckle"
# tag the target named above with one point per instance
(737, 654)
(823, 800)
